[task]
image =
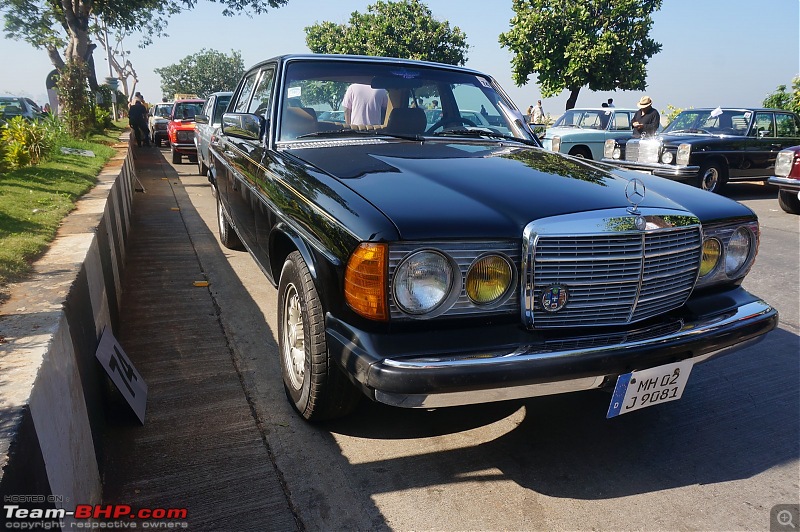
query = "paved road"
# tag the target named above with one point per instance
(718, 459)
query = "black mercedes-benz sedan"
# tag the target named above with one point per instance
(427, 260)
(711, 147)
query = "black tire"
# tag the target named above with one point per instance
(192, 158)
(712, 177)
(789, 201)
(581, 151)
(227, 234)
(176, 157)
(314, 384)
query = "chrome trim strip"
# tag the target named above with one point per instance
(522, 392)
(665, 169)
(785, 182)
(529, 353)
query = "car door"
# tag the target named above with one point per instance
(232, 153)
(761, 147)
(203, 129)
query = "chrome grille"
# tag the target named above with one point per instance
(632, 150)
(612, 278)
(643, 151)
(464, 254)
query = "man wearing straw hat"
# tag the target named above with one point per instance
(646, 120)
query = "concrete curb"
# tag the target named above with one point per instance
(51, 388)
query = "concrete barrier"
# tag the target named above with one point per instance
(51, 386)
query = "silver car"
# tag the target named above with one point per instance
(206, 124)
(11, 106)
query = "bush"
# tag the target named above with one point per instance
(26, 143)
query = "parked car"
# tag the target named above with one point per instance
(331, 116)
(583, 132)
(180, 129)
(158, 120)
(787, 178)
(436, 265)
(710, 147)
(206, 124)
(11, 106)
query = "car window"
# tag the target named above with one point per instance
(187, 110)
(209, 106)
(786, 125)
(622, 121)
(263, 94)
(222, 106)
(764, 126)
(243, 97)
(404, 101)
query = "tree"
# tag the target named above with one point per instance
(54, 25)
(602, 44)
(202, 73)
(404, 29)
(780, 99)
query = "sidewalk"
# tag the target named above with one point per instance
(200, 448)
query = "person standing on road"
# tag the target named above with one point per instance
(537, 116)
(137, 119)
(646, 119)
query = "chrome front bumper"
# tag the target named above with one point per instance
(658, 169)
(411, 376)
(785, 183)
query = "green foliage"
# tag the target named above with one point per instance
(26, 142)
(670, 113)
(203, 73)
(33, 201)
(404, 29)
(780, 99)
(568, 45)
(73, 95)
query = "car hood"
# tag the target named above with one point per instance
(491, 190)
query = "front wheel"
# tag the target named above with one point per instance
(712, 177)
(176, 157)
(789, 201)
(313, 382)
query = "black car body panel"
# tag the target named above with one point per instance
(458, 196)
(741, 144)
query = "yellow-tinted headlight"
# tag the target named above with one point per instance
(712, 250)
(489, 279)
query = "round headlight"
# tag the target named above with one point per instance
(667, 157)
(489, 279)
(616, 153)
(738, 251)
(422, 282)
(712, 250)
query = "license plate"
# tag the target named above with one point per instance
(648, 387)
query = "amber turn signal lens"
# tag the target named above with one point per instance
(711, 253)
(365, 281)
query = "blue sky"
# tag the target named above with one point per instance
(715, 52)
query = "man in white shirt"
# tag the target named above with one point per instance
(364, 105)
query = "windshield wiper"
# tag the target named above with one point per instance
(482, 133)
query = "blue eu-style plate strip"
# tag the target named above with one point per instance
(619, 395)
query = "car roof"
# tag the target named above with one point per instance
(602, 109)
(366, 58)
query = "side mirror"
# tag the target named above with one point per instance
(243, 125)
(201, 119)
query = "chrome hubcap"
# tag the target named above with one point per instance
(294, 353)
(710, 179)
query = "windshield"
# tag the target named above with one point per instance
(187, 110)
(343, 98)
(713, 122)
(584, 118)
